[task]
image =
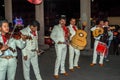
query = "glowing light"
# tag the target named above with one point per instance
(18, 21)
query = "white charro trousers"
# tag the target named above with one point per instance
(8, 66)
(73, 57)
(61, 50)
(32, 59)
(95, 54)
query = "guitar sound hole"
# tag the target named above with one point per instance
(81, 34)
(99, 31)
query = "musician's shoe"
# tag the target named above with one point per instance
(72, 70)
(56, 76)
(78, 67)
(92, 64)
(65, 74)
(101, 65)
(107, 60)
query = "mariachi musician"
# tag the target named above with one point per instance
(8, 53)
(73, 62)
(108, 36)
(59, 35)
(99, 25)
(30, 52)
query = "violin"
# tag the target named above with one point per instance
(1, 45)
(17, 36)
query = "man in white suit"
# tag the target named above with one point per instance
(8, 52)
(30, 51)
(59, 36)
(73, 61)
(100, 23)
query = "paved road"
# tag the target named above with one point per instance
(110, 71)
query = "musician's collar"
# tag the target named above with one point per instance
(72, 25)
(2, 33)
(61, 25)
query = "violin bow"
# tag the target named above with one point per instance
(11, 34)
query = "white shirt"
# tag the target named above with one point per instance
(72, 31)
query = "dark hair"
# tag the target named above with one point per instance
(72, 19)
(98, 21)
(35, 23)
(62, 18)
(106, 20)
(3, 21)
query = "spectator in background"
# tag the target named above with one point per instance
(110, 37)
(117, 43)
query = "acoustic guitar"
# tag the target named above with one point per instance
(97, 32)
(79, 39)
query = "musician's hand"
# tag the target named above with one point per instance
(37, 51)
(4, 47)
(25, 58)
(68, 44)
(60, 42)
(24, 37)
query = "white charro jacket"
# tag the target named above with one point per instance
(57, 34)
(13, 43)
(30, 44)
(72, 31)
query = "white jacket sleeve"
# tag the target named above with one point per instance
(37, 44)
(20, 43)
(0, 53)
(93, 28)
(53, 35)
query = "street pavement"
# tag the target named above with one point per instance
(110, 70)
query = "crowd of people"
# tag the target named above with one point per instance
(62, 35)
